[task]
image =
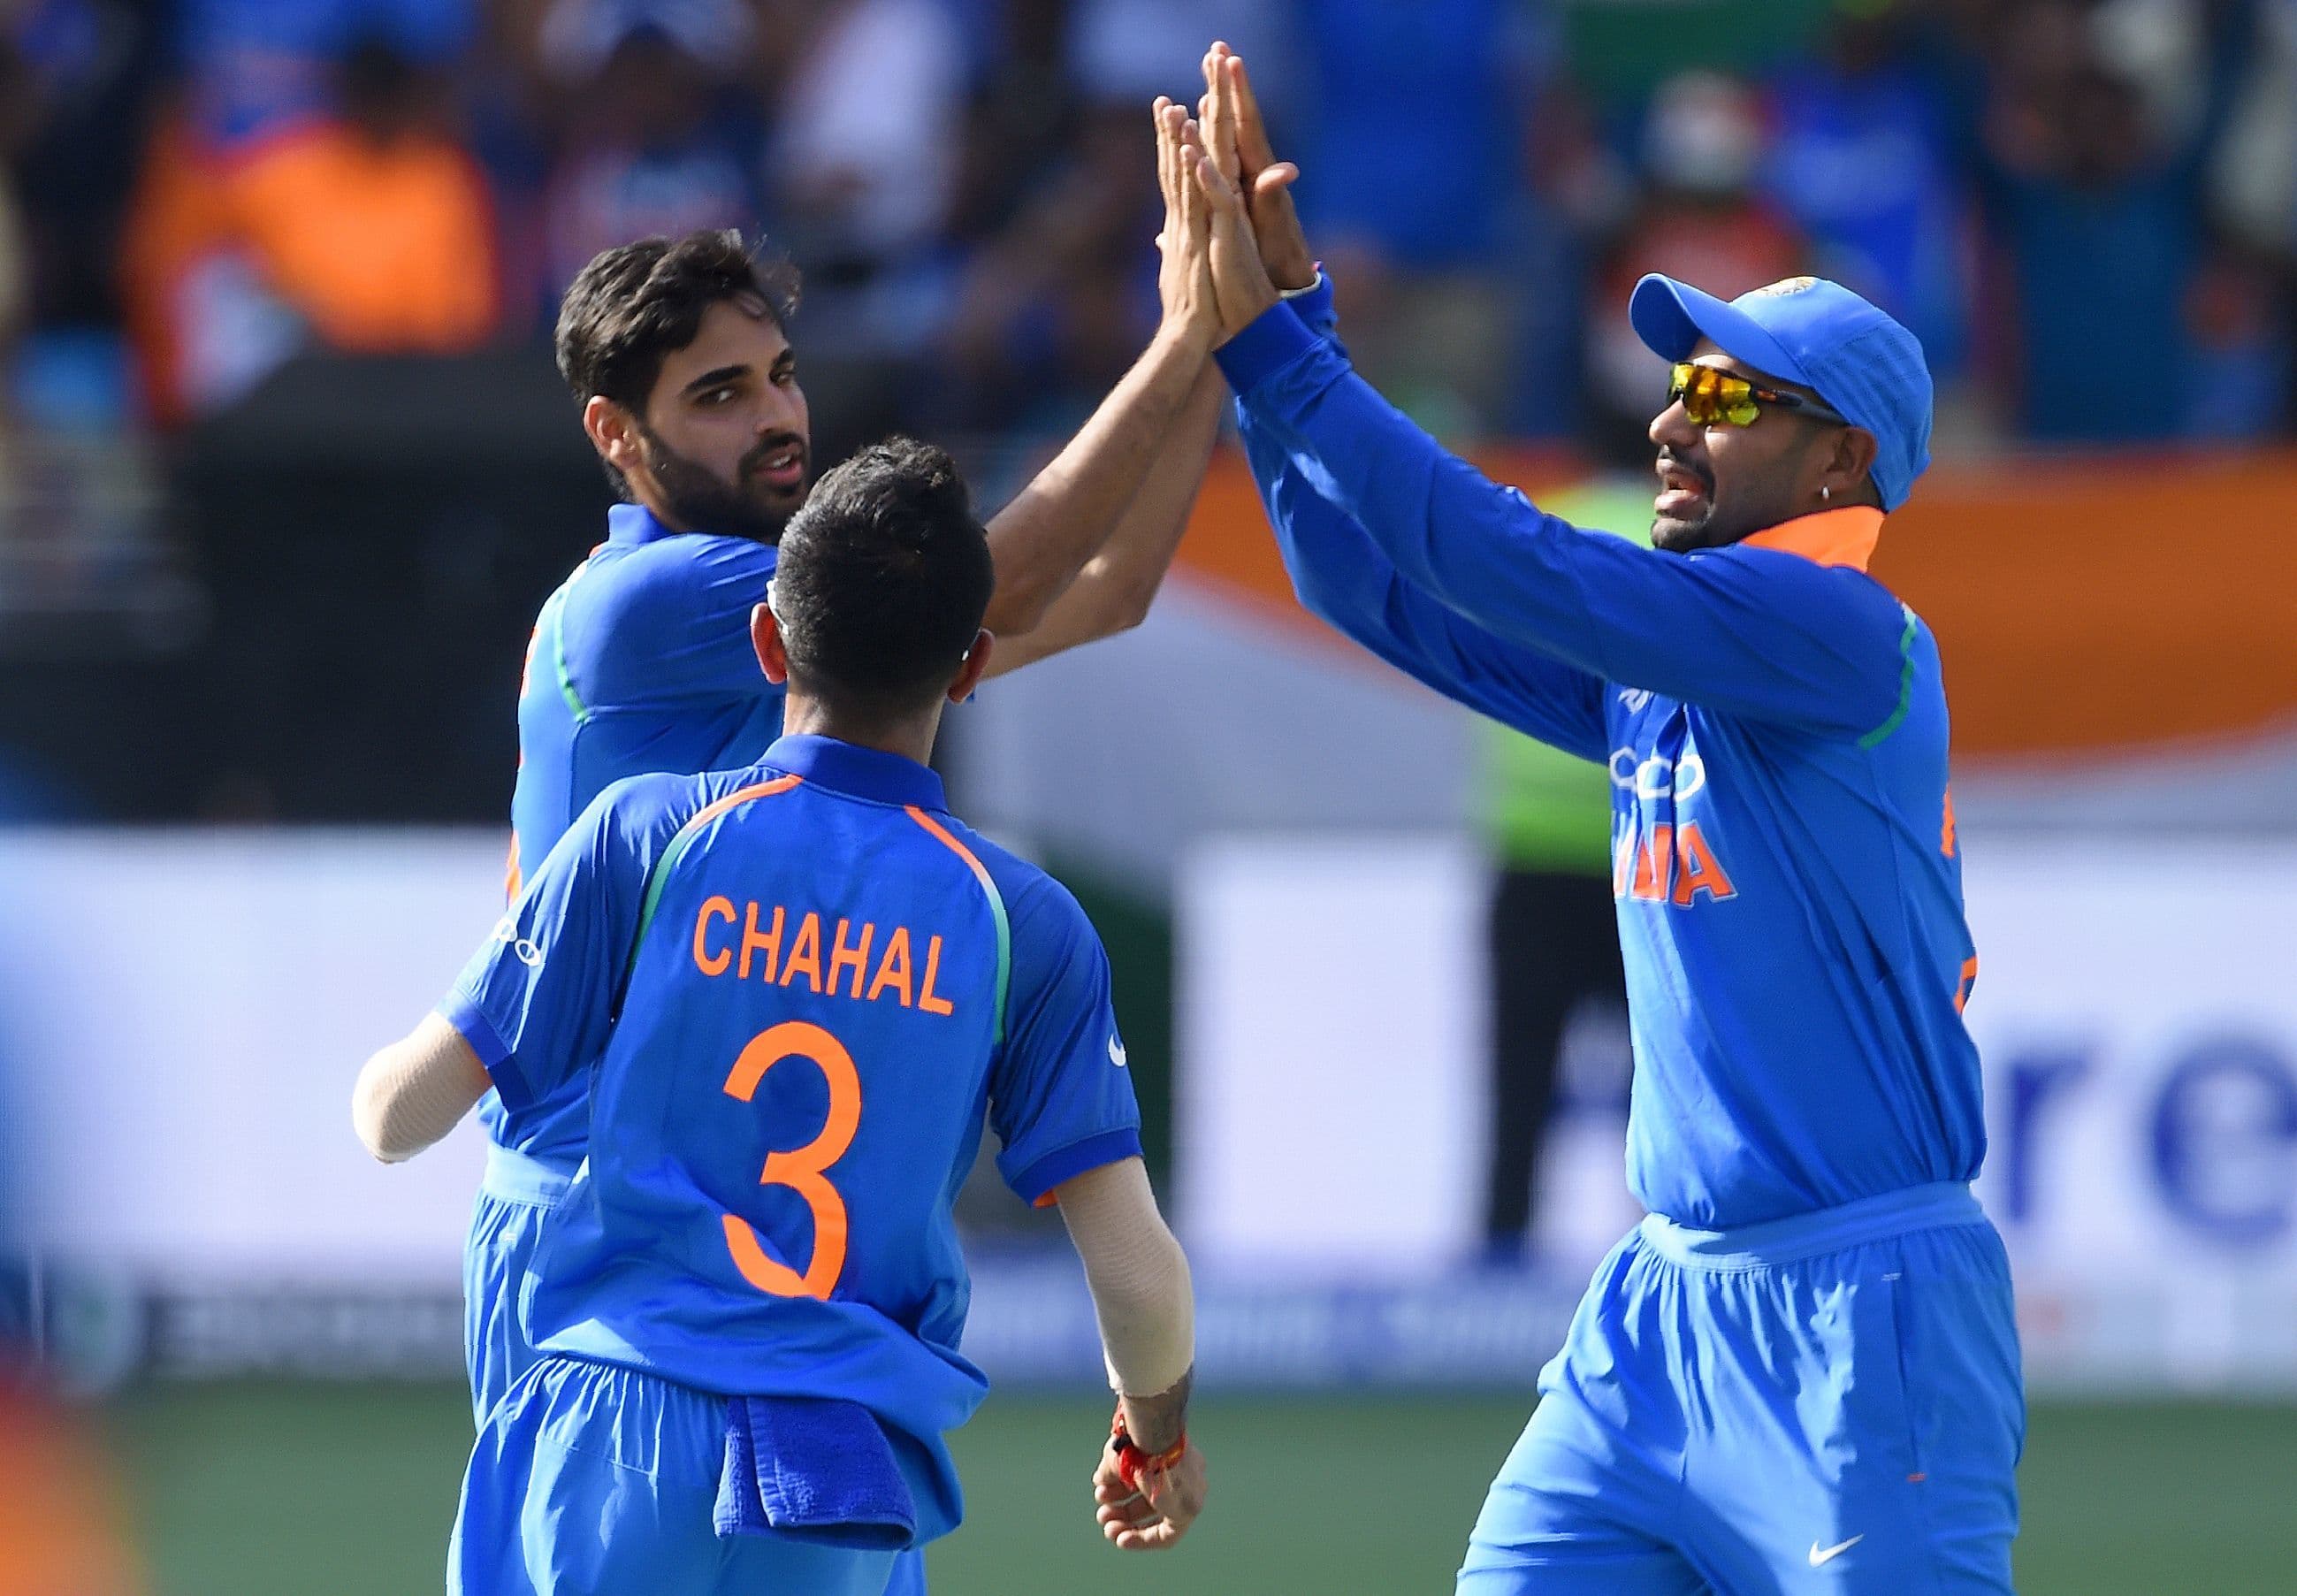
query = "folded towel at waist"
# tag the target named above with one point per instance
(812, 1468)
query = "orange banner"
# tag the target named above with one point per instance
(2081, 606)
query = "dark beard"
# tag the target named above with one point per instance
(698, 498)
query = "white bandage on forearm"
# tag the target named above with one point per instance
(413, 1093)
(1139, 1278)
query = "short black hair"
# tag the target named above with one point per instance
(636, 304)
(882, 580)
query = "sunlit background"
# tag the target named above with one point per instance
(285, 473)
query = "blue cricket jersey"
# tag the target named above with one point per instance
(786, 997)
(640, 662)
(1784, 858)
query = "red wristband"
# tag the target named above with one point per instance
(1131, 1461)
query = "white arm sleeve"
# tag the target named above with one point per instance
(1138, 1275)
(413, 1091)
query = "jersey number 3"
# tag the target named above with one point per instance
(801, 1169)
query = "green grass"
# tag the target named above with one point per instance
(288, 1490)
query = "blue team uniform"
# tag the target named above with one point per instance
(1800, 1373)
(640, 662)
(788, 995)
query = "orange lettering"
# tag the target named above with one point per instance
(1623, 853)
(703, 961)
(895, 972)
(801, 1169)
(927, 1001)
(805, 953)
(1700, 871)
(1655, 864)
(751, 941)
(841, 956)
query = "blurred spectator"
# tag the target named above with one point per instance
(2238, 322)
(1408, 156)
(1580, 193)
(2254, 184)
(1862, 162)
(865, 158)
(373, 224)
(1699, 218)
(1021, 114)
(254, 67)
(1053, 309)
(2101, 215)
(1128, 51)
(1059, 292)
(82, 104)
(657, 136)
(15, 266)
(369, 229)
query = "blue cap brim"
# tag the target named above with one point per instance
(1672, 316)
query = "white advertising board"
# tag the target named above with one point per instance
(182, 1015)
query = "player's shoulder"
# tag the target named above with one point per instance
(662, 580)
(656, 803)
(1816, 589)
(1035, 901)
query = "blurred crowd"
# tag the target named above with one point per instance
(2088, 208)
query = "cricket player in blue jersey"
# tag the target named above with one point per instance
(1800, 1372)
(641, 660)
(786, 996)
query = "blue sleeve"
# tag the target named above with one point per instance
(536, 1001)
(1060, 1097)
(669, 623)
(1754, 632)
(1343, 579)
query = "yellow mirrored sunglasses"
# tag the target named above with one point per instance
(1712, 397)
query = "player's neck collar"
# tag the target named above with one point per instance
(633, 523)
(1845, 537)
(865, 772)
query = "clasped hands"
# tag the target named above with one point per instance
(1231, 238)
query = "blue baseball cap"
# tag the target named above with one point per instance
(1818, 334)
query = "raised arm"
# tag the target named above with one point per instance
(1340, 574)
(1753, 631)
(1079, 503)
(1113, 592)
(1146, 1307)
(1346, 580)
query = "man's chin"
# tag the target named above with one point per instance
(1675, 536)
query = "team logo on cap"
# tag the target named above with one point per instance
(1784, 287)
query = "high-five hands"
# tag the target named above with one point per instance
(1184, 280)
(1240, 284)
(1238, 141)
(1231, 233)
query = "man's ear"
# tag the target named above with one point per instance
(766, 638)
(976, 661)
(1854, 452)
(614, 433)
